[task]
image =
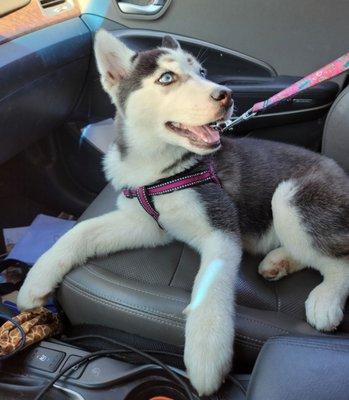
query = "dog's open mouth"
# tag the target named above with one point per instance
(204, 136)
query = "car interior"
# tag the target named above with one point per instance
(56, 124)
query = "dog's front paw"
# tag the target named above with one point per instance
(31, 297)
(35, 290)
(208, 351)
(323, 309)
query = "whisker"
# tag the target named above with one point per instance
(203, 54)
(203, 62)
(198, 55)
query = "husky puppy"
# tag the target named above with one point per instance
(279, 200)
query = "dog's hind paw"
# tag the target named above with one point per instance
(208, 352)
(323, 309)
(277, 264)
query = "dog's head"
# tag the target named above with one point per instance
(163, 93)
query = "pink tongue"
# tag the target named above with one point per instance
(205, 133)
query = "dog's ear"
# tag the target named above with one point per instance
(114, 59)
(170, 42)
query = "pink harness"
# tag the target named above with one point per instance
(169, 185)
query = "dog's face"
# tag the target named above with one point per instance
(163, 93)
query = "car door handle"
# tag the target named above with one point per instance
(153, 7)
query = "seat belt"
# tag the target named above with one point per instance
(325, 73)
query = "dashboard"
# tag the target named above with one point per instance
(34, 15)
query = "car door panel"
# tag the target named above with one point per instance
(288, 34)
(250, 80)
(42, 74)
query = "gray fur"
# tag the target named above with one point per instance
(120, 138)
(250, 170)
(145, 65)
(323, 201)
(170, 42)
(220, 208)
(183, 159)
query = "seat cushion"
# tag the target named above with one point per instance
(144, 292)
(335, 143)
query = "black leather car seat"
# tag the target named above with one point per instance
(144, 291)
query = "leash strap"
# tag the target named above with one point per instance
(169, 185)
(325, 73)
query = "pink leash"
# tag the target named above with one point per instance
(325, 73)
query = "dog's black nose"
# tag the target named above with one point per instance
(222, 95)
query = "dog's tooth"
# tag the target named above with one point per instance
(176, 124)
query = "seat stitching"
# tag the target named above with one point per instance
(278, 300)
(124, 308)
(309, 341)
(175, 270)
(94, 272)
(262, 323)
(250, 338)
(83, 288)
(148, 309)
(250, 345)
(121, 307)
(318, 347)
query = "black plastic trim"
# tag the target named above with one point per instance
(239, 64)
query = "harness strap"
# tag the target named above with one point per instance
(169, 185)
(143, 198)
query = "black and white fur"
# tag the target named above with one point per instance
(279, 200)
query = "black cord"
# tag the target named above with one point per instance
(231, 378)
(20, 329)
(103, 353)
(237, 383)
(112, 341)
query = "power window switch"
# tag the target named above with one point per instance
(76, 371)
(45, 359)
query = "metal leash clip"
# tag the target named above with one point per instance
(228, 124)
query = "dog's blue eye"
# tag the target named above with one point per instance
(203, 72)
(166, 78)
